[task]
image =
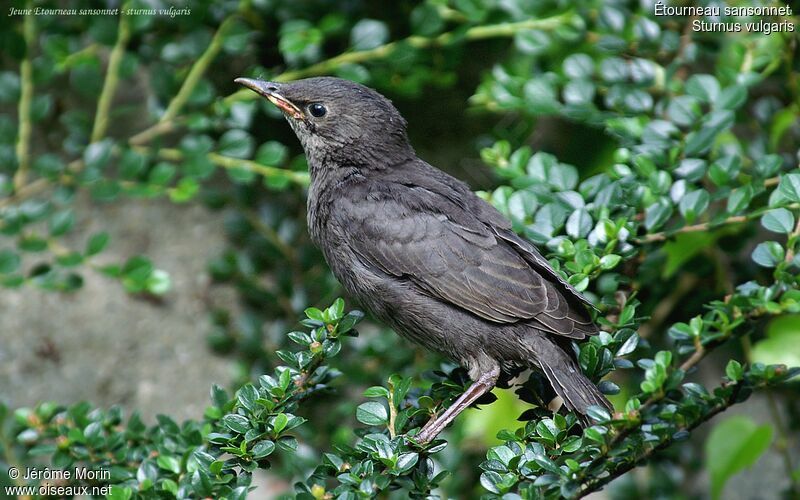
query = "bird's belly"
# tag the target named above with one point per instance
(440, 327)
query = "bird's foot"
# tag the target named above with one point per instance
(437, 424)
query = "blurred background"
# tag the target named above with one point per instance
(172, 253)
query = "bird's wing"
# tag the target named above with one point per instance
(532, 255)
(455, 257)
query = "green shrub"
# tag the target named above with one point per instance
(682, 223)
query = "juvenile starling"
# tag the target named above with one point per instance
(422, 253)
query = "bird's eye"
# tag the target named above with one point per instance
(317, 110)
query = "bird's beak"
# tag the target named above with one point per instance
(270, 90)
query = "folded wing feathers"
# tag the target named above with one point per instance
(494, 275)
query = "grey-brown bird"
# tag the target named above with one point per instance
(422, 253)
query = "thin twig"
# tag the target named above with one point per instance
(151, 133)
(598, 483)
(700, 352)
(419, 42)
(111, 81)
(704, 226)
(198, 69)
(301, 178)
(229, 162)
(25, 100)
(392, 412)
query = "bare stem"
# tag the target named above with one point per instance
(263, 170)
(25, 100)
(392, 412)
(111, 81)
(228, 162)
(704, 226)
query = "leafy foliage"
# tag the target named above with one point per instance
(210, 458)
(694, 180)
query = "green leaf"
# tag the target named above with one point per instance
(170, 463)
(694, 204)
(782, 343)
(9, 261)
(299, 40)
(733, 445)
(610, 261)
(540, 95)
(97, 242)
(61, 222)
(236, 423)
(578, 66)
(724, 170)
(271, 153)
(684, 110)
(579, 223)
(48, 165)
(279, 423)
(241, 175)
(731, 97)
(236, 144)
(236, 38)
(32, 243)
(372, 413)
(9, 86)
(247, 396)
(700, 141)
(158, 282)
(263, 448)
(532, 41)
(768, 254)
(97, 154)
(579, 92)
(406, 461)
(703, 87)
(376, 391)
(185, 190)
(789, 187)
(368, 34)
(314, 313)
(119, 493)
(734, 370)
(545, 168)
(657, 214)
(614, 70)
(425, 20)
(740, 198)
(778, 220)
(769, 165)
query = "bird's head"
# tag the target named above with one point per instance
(338, 120)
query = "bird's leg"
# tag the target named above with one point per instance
(437, 424)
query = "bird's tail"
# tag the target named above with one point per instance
(567, 380)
